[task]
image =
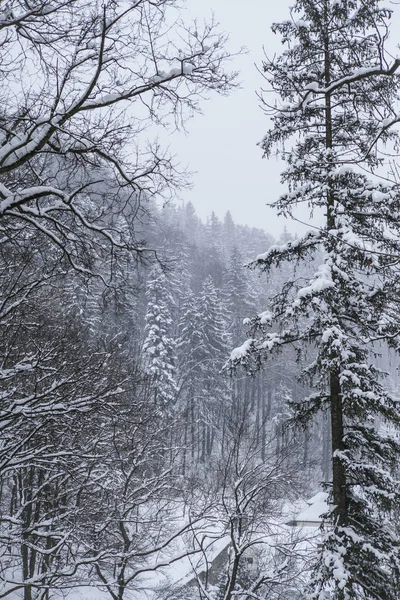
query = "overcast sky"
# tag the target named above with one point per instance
(221, 145)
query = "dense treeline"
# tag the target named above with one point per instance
(122, 434)
(115, 409)
(138, 458)
(122, 445)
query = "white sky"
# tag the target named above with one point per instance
(221, 145)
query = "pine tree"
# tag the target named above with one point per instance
(229, 231)
(240, 297)
(214, 348)
(202, 349)
(337, 97)
(190, 342)
(159, 345)
(214, 323)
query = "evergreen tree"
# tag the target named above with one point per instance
(189, 352)
(190, 342)
(337, 96)
(240, 300)
(214, 347)
(214, 325)
(229, 231)
(159, 345)
(202, 349)
(191, 223)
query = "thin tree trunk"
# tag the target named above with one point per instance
(338, 470)
(326, 447)
(26, 490)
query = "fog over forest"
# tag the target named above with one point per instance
(197, 409)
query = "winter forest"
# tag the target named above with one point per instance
(197, 410)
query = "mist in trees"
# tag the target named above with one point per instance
(118, 427)
(136, 459)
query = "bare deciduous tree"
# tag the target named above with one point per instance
(81, 82)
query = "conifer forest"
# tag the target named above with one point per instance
(197, 409)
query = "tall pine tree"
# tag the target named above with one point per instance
(159, 345)
(337, 99)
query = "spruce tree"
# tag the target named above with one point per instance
(159, 354)
(239, 294)
(337, 99)
(214, 329)
(202, 347)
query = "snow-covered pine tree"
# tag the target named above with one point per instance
(214, 346)
(159, 351)
(202, 347)
(337, 91)
(190, 343)
(239, 293)
(214, 329)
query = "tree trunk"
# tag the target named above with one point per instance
(326, 447)
(338, 470)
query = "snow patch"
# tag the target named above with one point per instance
(322, 281)
(241, 351)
